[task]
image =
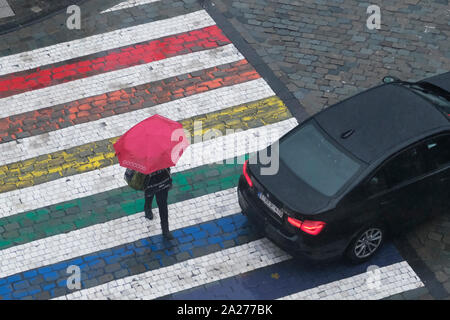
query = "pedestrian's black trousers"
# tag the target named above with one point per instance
(161, 200)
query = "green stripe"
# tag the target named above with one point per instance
(84, 212)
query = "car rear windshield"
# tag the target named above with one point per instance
(439, 98)
(316, 161)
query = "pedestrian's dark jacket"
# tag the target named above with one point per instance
(158, 180)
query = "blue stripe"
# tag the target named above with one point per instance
(284, 279)
(130, 259)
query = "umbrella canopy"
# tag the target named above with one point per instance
(153, 144)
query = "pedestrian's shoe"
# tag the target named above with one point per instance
(149, 215)
(168, 235)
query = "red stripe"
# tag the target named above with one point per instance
(122, 101)
(201, 39)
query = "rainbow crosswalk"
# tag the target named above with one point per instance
(64, 201)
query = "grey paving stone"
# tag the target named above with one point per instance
(90, 283)
(182, 256)
(415, 294)
(44, 295)
(121, 274)
(106, 278)
(112, 267)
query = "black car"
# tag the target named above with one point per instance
(364, 168)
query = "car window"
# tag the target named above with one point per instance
(437, 152)
(316, 161)
(405, 166)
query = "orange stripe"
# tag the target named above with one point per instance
(121, 101)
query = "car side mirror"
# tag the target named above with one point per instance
(389, 79)
(373, 186)
(374, 181)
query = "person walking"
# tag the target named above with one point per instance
(158, 184)
(154, 143)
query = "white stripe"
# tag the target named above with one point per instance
(105, 41)
(188, 274)
(5, 9)
(115, 126)
(128, 4)
(371, 285)
(51, 250)
(116, 80)
(105, 179)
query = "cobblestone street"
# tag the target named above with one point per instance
(323, 52)
(258, 67)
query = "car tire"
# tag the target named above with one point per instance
(366, 243)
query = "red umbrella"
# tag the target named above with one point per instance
(153, 144)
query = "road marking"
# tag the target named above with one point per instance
(208, 178)
(115, 80)
(118, 59)
(99, 154)
(122, 101)
(387, 281)
(128, 4)
(51, 250)
(111, 177)
(185, 275)
(114, 126)
(5, 10)
(105, 41)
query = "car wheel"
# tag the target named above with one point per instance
(366, 244)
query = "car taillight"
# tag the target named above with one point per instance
(312, 227)
(296, 223)
(247, 177)
(308, 226)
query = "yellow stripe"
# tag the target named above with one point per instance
(100, 154)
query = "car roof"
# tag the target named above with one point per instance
(382, 118)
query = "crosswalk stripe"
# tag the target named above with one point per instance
(115, 126)
(113, 233)
(99, 208)
(136, 257)
(122, 101)
(99, 154)
(114, 80)
(5, 10)
(371, 285)
(111, 177)
(185, 275)
(128, 4)
(108, 61)
(102, 42)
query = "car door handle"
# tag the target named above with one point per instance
(385, 202)
(443, 179)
